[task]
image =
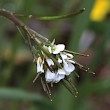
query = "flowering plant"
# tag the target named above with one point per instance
(54, 63)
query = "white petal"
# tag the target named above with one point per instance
(59, 60)
(59, 77)
(40, 66)
(49, 76)
(59, 48)
(49, 61)
(65, 62)
(53, 42)
(45, 47)
(69, 68)
(71, 61)
(61, 71)
(69, 56)
(49, 48)
(68, 73)
(63, 56)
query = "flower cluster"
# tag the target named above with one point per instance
(52, 72)
(55, 64)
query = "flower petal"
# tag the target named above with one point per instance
(49, 76)
(49, 61)
(61, 71)
(53, 42)
(40, 65)
(59, 48)
(63, 56)
(49, 48)
(69, 68)
(59, 60)
(59, 77)
(69, 56)
(68, 73)
(71, 61)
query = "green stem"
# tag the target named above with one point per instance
(51, 17)
(76, 53)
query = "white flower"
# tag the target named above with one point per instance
(55, 49)
(40, 63)
(67, 62)
(68, 67)
(55, 77)
(49, 76)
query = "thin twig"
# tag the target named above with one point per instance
(30, 46)
(76, 74)
(71, 83)
(38, 35)
(46, 89)
(21, 34)
(76, 53)
(68, 88)
(36, 77)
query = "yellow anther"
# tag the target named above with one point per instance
(34, 60)
(40, 59)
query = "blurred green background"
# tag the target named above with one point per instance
(87, 33)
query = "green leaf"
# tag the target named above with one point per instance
(17, 94)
